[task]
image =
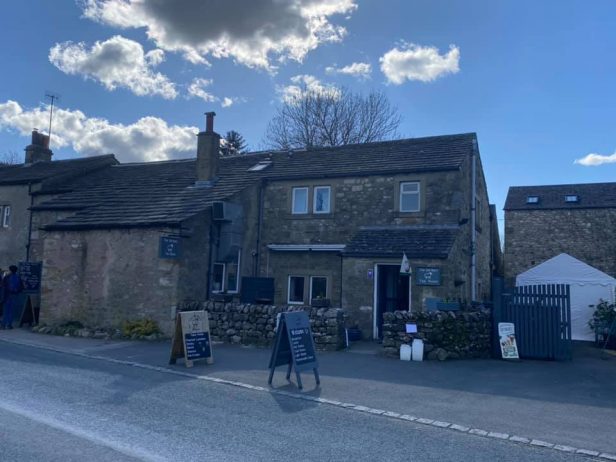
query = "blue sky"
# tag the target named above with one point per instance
(534, 79)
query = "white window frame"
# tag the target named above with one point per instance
(402, 193)
(532, 199)
(326, 286)
(224, 275)
(6, 216)
(289, 302)
(237, 282)
(329, 200)
(303, 188)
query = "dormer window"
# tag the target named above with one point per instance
(260, 166)
(572, 198)
(532, 199)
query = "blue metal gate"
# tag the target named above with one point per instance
(542, 318)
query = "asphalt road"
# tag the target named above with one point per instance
(60, 407)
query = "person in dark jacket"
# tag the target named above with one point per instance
(12, 286)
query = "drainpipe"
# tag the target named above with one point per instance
(474, 222)
(259, 223)
(209, 259)
(29, 222)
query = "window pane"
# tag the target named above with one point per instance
(409, 197)
(319, 287)
(218, 277)
(296, 289)
(232, 277)
(300, 200)
(321, 199)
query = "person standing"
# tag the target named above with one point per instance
(12, 286)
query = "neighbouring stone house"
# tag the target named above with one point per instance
(24, 185)
(315, 226)
(544, 221)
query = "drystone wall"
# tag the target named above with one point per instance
(255, 324)
(446, 334)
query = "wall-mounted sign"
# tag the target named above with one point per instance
(428, 276)
(506, 334)
(169, 247)
(411, 328)
(370, 274)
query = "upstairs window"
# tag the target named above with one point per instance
(321, 199)
(409, 197)
(572, 198)
(532, 199)
(6, 216)
(300, 201)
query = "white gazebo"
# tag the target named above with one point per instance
(588, 285)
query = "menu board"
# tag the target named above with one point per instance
(191, 338)
(30, 273)
(294, 346)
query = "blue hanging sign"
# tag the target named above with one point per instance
(428, 276)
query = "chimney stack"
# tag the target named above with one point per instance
(38, 150)
(208, 147)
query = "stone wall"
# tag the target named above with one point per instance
(102, 278)
(452, 334)
(255, 324)
(14, 239)
(531, 237)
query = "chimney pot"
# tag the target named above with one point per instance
(209, 121)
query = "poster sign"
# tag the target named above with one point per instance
(411, 328)
(169, 247)
(294, 346)
(30, 273)
(428, 276)
(191, 338)
(506, 334)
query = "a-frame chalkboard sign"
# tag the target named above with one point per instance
(191, 338)
(294, 346)
(30, 273)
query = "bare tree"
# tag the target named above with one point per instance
(331, 118)
(9, 158)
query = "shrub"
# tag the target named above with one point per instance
(604, 315)
(141, 328)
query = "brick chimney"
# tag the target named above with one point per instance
(38, 150)
(208, 147)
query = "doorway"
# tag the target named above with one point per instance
(391, 294)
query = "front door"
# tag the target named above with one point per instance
(392, 294)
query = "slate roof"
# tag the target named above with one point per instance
(590, 195)
(416, 241)
(163, 193)
(40, 171)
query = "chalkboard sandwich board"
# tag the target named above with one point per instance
(294, 346)
(30, 273)
(191, 338)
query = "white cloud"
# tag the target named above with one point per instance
(249, 31)
(147, 139)
(359, 70)
(593, 160)
(197, 88)
(414, 62)
(117, 62)
(226, 101)
(301, 84)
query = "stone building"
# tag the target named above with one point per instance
(544, 221)
(24, 185)
(317, 226)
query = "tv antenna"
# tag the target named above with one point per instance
(53, 97)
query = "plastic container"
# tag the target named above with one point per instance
(418, 348)
(405, 352)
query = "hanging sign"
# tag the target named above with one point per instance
(294, 346)
(191, 338)
(506, 334)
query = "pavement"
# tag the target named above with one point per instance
(562, 406)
